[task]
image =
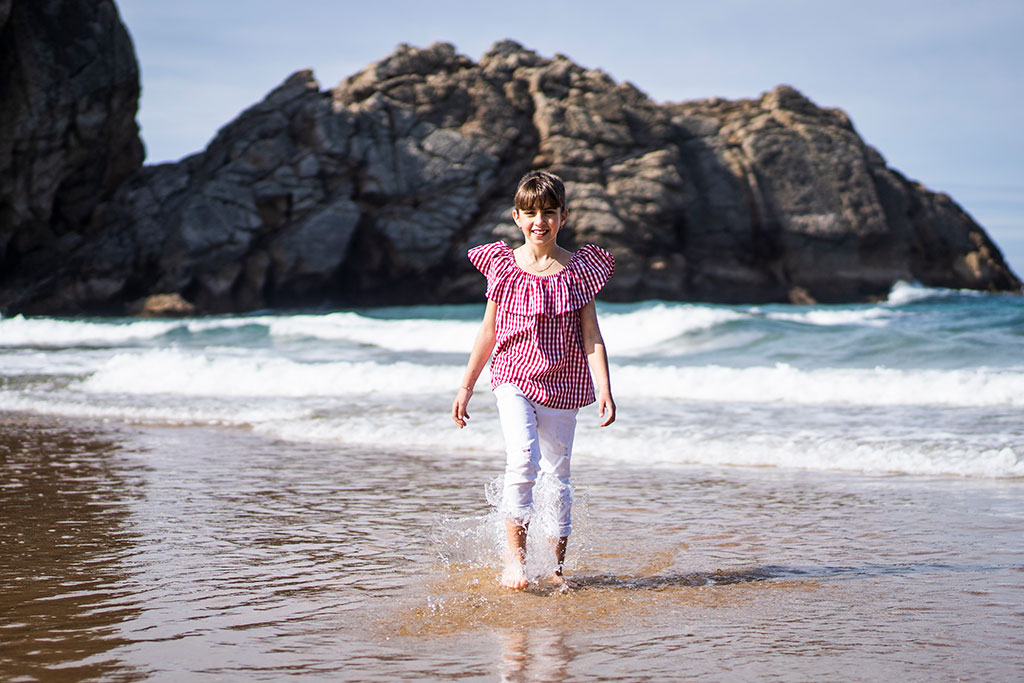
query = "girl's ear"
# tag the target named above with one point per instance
(515, 216)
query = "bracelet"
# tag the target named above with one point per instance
(466, 388)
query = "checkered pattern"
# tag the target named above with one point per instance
(539, 344)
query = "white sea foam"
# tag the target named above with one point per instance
(877, 455)
(50, 363)
(635, 332)
(695, 437)
(629, 332)
(425, 429)
(180, 413)
(63, 333)
(785, 384)
(50, 332)
(396, 335)
(676, 443)
(175, 372)
(875, 317)
(909, 292)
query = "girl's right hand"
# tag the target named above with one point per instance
(459, 406)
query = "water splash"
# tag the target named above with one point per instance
(480, 542)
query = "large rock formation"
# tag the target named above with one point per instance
(371, 193)
(69, 90)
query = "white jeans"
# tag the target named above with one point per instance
(537, 439)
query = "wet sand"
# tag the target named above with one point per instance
(200, 553)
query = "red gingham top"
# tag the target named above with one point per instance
(539, 339)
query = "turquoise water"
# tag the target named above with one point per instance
(928, 382)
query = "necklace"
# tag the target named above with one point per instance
(532, 267)
(541, 270)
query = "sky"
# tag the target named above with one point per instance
(936, 86)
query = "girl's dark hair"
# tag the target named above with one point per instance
(540, 190)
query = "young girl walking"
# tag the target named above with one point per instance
(541, 325)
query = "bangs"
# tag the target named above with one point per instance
(540, 199)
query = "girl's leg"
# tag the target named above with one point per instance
(522, 457)
(556, 430)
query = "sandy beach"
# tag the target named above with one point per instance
(204, 553)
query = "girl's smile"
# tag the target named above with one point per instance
(540, 226)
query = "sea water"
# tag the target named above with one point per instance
(789, 492)
(928, 382)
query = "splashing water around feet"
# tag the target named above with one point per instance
(478, 542)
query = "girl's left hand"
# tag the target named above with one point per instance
(606, 409)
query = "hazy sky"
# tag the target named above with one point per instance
(935, 85)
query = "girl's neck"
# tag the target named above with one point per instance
(541, 259)
(541, 251)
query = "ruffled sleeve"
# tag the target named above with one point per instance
(591, 266)
(483, 257)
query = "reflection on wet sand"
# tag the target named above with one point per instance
(63, 537)
(540, 654)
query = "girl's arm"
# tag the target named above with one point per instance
(482, 348)
(597, 358)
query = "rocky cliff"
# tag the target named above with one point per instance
(69, 90)
(371, 193)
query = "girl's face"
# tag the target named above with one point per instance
(540, 226)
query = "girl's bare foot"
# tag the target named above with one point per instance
(557, 582)
(514, 575)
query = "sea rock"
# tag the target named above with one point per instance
(69, 89)
(162, 306)
(371, 193)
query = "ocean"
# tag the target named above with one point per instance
(789, 492)
(929, 382)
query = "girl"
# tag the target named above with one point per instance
(541, 324)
